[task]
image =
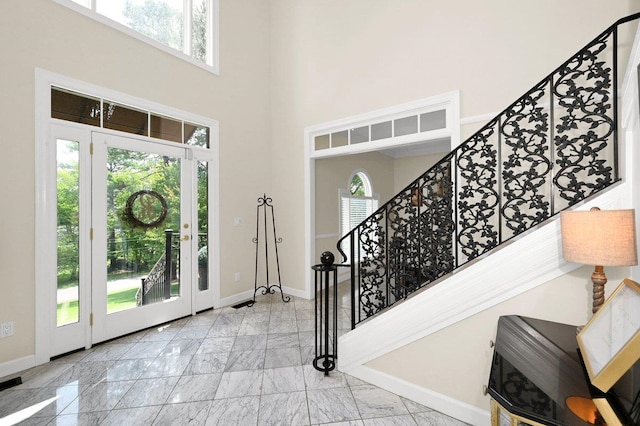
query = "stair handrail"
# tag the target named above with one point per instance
(156, 286)
(469, 208)
(152, 286)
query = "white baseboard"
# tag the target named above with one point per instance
(236, 298)
(296, 292)
(437, 401)
(15, 366)
(247, 295)
(344, 275)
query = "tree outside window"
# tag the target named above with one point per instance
(182, 25)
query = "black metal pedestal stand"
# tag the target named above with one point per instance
(326, 314)
(265, 206)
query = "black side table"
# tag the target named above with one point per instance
(537, 377)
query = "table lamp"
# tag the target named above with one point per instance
(600, 238)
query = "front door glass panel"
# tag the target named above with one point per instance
(203, 225)
(143, 229)
(68, 231)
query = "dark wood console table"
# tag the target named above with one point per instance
(537, 374)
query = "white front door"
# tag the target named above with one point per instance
(142, 248)
(132, 235)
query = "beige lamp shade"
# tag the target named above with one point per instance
(599, 237)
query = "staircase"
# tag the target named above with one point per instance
(554, 147)
(438, 244)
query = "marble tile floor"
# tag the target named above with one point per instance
(246, 366)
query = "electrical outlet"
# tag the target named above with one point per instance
(236, 276)
(6, 329)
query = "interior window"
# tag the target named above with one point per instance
(357, 202)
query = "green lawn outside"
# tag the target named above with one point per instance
(117, 301)
(67, 312)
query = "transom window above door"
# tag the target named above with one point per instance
(187, 27)
(433, 123)
(94, 111)
(384, 129)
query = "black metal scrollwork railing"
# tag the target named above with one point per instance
(552, 148)
(156, 286)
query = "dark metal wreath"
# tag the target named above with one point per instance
(142, 211)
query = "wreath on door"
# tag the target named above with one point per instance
(146, 209)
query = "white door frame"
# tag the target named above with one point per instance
(45, 245)
(449, 101)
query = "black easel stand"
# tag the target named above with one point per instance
(326, 337)
(265, 206)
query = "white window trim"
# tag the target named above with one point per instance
(344, 194)
(369, 195)
(213, 48)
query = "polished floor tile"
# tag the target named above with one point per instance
(332, 405)
(189, 413)
(207, 363)
(201, 387)
(132, 416)
(148, 392)
(406, 420)
(234, 411)
(285, 379)
(247, 366)
(375, 402)
(288, 408)
(102, 396)
(282, 357)
(240, 383)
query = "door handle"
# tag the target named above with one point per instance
(186, 238)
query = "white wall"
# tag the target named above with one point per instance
(407, 169)
(631, 121)
(43, 34)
